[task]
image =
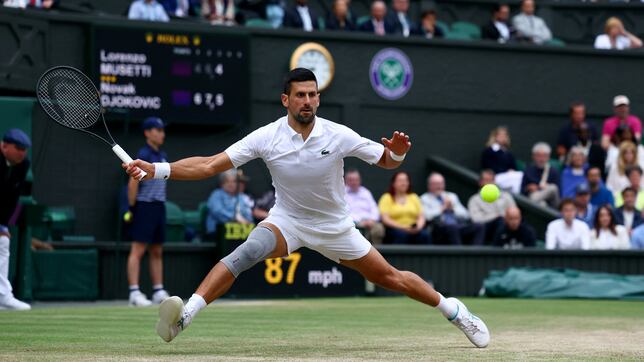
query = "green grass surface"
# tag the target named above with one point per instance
(331, 329)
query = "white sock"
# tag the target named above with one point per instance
(447, 307)
(134, 288)
(190, 310)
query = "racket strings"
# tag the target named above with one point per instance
(70, 98)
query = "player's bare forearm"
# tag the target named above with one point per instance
(198, 168)
(399, 145)
(192, 168)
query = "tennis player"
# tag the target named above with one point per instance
(304, 154)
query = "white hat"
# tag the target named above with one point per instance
(620, 100)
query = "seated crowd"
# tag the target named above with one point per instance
(524, 27)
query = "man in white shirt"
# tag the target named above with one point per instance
(363, 207)
(304, 154)
(567, 233)
(529, 26)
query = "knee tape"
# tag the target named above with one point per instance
(260, 244)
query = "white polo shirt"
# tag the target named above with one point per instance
(308, 175)
(561, 236)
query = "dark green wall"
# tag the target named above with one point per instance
(460, 91)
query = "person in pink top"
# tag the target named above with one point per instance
(622, 117)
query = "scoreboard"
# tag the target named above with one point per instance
(182, 77)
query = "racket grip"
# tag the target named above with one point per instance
(120, 152)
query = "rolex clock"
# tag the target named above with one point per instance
(315, 57)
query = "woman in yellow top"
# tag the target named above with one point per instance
(402, 213)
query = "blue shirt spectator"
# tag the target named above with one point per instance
(227, 204)
(637, 238)
(181, 8)
(599, 194)
(570, 134)
(573, 174)
(149, 10)
(585, 210)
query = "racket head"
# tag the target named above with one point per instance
(69, 97)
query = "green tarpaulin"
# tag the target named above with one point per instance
(562, 283)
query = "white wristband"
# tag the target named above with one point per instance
(161, 170)
(395, 157)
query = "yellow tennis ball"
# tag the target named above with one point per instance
(489, 193)
(127, 217)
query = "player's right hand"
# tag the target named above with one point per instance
(133, 169)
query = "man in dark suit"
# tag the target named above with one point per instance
(499, 28)
(181, 9)
(300, 16)
(398, 17)
(627, 214)
(377, 24)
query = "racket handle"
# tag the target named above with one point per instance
(120, 152)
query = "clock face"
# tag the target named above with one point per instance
(315, 57)
(315, 61)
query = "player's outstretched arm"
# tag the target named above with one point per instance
(192, 168)
(399, 145)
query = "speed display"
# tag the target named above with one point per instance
(183, 77)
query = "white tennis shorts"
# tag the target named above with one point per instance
(347, 245)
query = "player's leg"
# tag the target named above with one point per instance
(265, 241)
(137, 299)
(377, 270)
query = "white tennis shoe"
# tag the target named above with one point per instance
(159, 296)
(9, 302)
(138, 299)
(170, 318)
(474, 328)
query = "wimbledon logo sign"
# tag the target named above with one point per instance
(391, 73)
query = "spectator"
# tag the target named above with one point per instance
(364, 210)
(569, 134)
(514, 233)
(628, 214)
(606, 234)
(585, 209)
(428, 27)
(540, 180)
(377, 24)
(147, 206)
(599, 194)
(402, 213)
(628, 157)
(181, 8)
(448, 216)
(616, 37)
(529, 26)
(575, 173)
(14, 166)
(634, 174)
(263, 205)
(22, 4)
(489, 214)
(498, 158)
(219, 12)
(622, 134)
(339, 18)
(499, 28)
(149, 10)
(637, 238)
(399, 18)
(595, 154)
(300, 16)
(621, 108)
(227, 204)
(568, 232)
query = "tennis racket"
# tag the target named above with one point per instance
(71, 99)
